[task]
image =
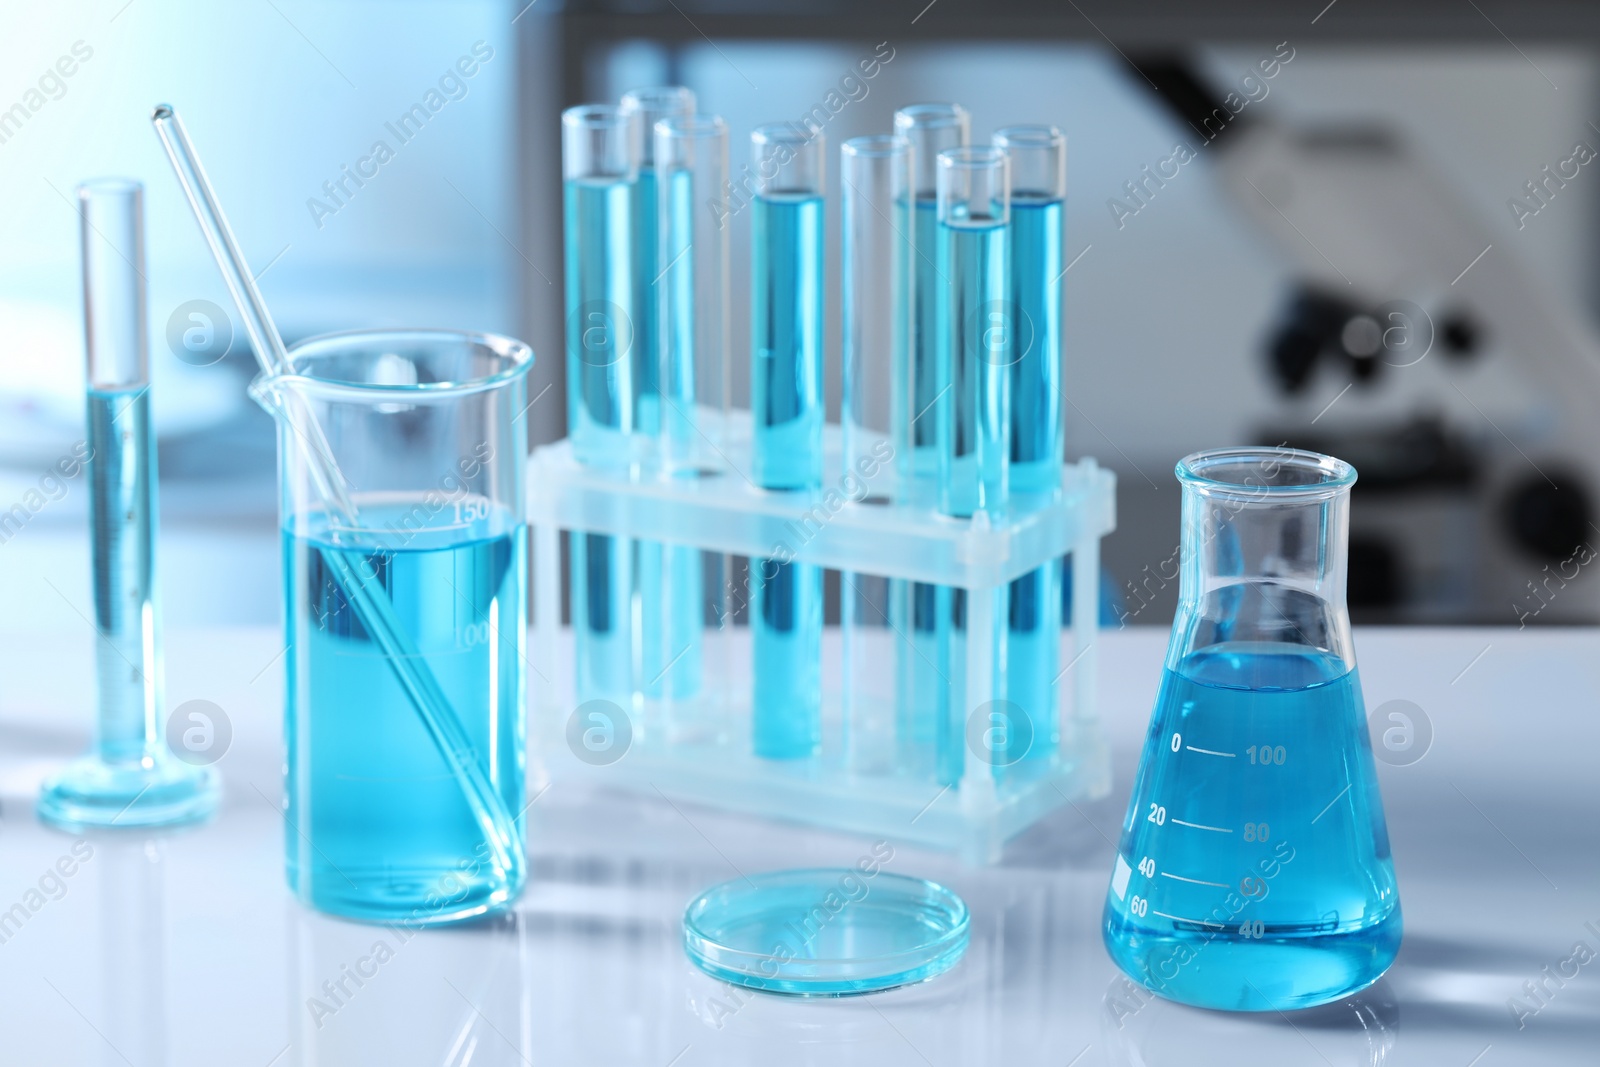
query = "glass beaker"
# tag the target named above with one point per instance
(405, 622)
(1254, 870)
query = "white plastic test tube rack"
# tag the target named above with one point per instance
(698, 748)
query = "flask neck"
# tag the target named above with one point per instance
(1263, 565)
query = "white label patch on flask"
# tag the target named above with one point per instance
(1119, 878)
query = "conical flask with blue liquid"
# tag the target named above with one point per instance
(1254, 871)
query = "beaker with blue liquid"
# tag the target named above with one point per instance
(404, 621)
(1254, 871)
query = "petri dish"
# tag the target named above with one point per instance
(825, 932)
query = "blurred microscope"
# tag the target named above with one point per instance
(1465, 395)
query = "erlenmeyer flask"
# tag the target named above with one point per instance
(1254, 870)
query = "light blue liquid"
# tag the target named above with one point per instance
(604, 320)
(974, 350)
(122, 523)
(646, 242)
(1035, 249)
(625, 633)
(973, 415)
(378, 826)
(950, 677)
(603, 323)
(786, 403)
(880, 931)
(678, 383)
(130, 778)
(786, 341)
(1033, 648)
(1273, 756)
(786, 628)
(603, 586)
(927, 287)
(1033, 654)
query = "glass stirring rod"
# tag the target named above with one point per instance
(428, 699)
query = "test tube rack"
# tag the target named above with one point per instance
(698, 748)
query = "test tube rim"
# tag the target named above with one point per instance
(783, 133)
(108, 200)
(974, 158)
(582, 114)
(933, 116)
(650, 104)
(877, 146)
(661, 97)
(1336, 476)
(110, 185)
(1023, 132)
(806, 140)
(691, 126)
(1035, 137)
(518, 354)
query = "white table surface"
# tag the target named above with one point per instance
(186, 948)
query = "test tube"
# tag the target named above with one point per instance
(786, 408)
(974, 420)
(974, 331)
(875, 173)
(691, 161)
(647, 107)
(668, 625)
(930, 128)
(122, 469)
(131, 777)
(601, 146)
(878, 252)
(1038, 156)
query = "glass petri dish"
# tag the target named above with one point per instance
(825, 932)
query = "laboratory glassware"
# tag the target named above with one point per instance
(1254, 871)
(875, 412)
(667, 575)
(974, 330)
(1033, 611)
(930, 128)
(897, 541)
(691, 165)
(827, 932)
(609, 418)
(265, 341)
(405, 623)
(501, 843)
(1038, 156)
(646, 107)
(786, 409)
(131, 778)
(691, 156)
(972, 412)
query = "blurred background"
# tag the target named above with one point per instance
(1366, 228)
